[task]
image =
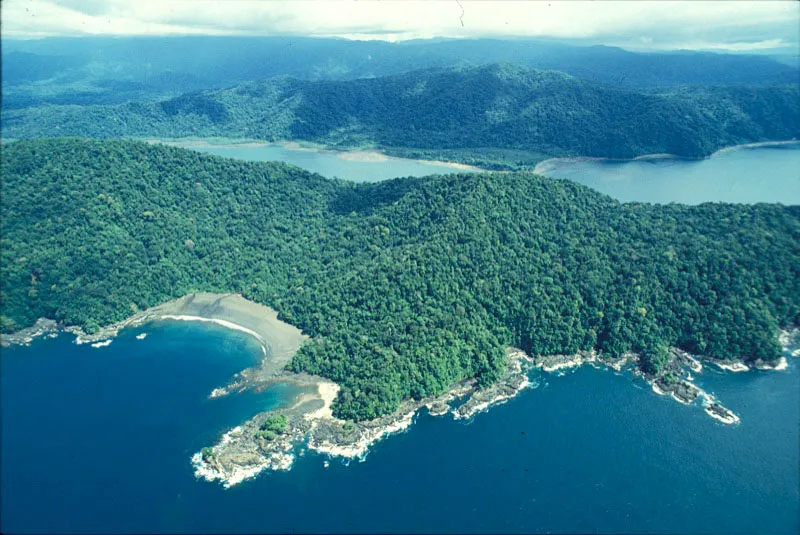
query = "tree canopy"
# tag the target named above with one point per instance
(502, 106)
(405, 286)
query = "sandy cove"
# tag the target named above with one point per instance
(278, 340)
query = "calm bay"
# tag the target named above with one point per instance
(99, 439)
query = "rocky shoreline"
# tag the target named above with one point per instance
(676, 379)
(42, 327)
(252, 447)
(242, 453)
(718, 412)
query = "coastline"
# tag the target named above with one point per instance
(352, 155)
(245, 451)
(241, 453)
(551, 164)
(278, 339)
(676, 380)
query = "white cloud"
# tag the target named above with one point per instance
(717, 24)
(768, 44)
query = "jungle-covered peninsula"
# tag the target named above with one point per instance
(406, 287)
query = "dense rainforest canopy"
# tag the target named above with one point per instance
(98, 70)
(498, 106)
(406, 286)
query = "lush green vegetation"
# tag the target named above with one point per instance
(406, 286)
(274, 425)
(100, 70)
(207, 453)
(499, 106)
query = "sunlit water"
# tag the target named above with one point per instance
(332, 164)
(765, 174)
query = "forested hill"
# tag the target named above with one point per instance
(499, 106)
(406, 286)
(96, 70)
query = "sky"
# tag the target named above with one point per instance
(725, 26)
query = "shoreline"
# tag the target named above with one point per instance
(277, 339)
(551, 164)
(244, 451)
(351, 155)
(676, 380)
(241, 453)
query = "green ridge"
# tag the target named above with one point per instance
(406, 286)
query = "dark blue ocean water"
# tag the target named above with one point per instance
(99, 440)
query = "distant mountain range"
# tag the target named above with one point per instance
(499, 105)
(114, 70)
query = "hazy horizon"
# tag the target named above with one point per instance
(769, 27)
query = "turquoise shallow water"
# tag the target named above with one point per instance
(99, 440)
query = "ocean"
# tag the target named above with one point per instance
(99, 440)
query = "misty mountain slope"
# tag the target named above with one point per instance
(113, 70)
(501, 105)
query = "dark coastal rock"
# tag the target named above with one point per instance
(42, 327)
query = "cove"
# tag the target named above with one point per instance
(99, 439)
